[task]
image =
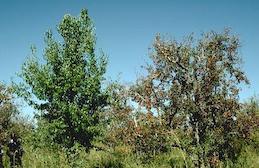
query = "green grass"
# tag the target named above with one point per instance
(119, 157)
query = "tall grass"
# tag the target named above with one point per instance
(119, 157)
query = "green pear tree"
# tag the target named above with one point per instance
(66, 86)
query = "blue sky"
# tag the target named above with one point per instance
(126, 28)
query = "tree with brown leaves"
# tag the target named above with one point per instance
(193, 86)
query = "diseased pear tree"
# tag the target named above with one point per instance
(66, 87)
(193, 86)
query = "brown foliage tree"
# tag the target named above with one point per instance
(193, 86)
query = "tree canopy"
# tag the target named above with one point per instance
(67, 86)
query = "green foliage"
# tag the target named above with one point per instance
(66, 86)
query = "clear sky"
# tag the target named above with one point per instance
(126, 28)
